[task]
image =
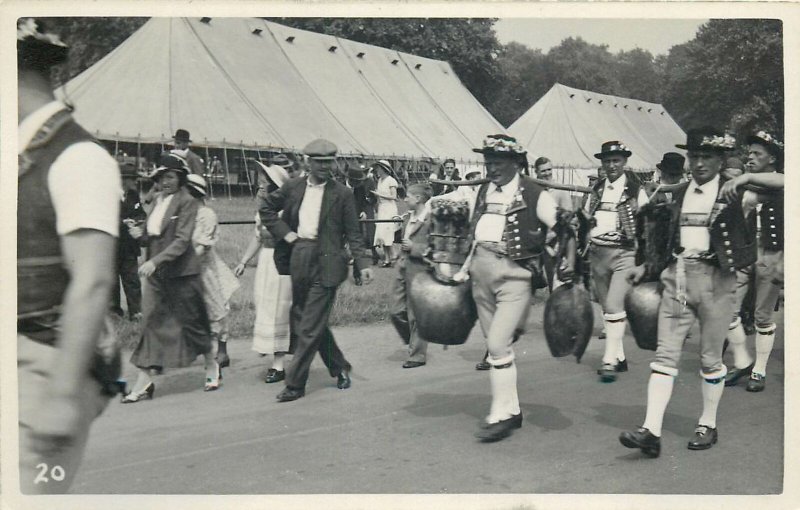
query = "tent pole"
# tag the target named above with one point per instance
(227, 170)
(138, 152)
(247, 172)
(210, 175)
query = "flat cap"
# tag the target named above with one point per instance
(320, 149)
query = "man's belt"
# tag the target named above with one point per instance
(496, 208)
(694, 219)
(499, 248)
(613, 240)
(607, 206)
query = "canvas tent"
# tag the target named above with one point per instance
(249, 83)
(569, 125)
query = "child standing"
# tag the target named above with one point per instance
(413, 245)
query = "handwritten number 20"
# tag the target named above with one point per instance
(57, 474)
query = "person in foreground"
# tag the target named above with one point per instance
(312, 218)
(509, 220)
(67, 358)
(175, 325)
(709, 240)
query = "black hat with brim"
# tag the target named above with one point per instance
(502, 146)
(671, 163)
(611, 148)
(169, 162)
(708, 138)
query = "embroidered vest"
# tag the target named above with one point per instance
(523, 233)
(771, 216)
(626, 208)
(731, 239)
(42, 278)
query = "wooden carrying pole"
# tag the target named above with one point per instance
(227, 170)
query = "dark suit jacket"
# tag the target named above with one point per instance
(338, 224)
(172, 251)
(131, 208)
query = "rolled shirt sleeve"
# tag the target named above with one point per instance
(547, 209)
(86, 189)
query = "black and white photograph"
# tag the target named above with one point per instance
(482, 257)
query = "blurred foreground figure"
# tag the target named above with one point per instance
(67, 361)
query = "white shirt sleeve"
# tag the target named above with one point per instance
(86, 190)
(546, 209)
(642, 198)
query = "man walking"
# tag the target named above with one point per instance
(318, 218)
(509, 222)
(67, 361)
(131, 213)
(765, 158)
(613, 202)
(708, 242)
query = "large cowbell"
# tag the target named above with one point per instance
(443, 307)
(445, 313)
(641, 306)
(568, 321)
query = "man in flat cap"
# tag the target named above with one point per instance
(614, 200)
(708, 241)
(67, 362)
(765, 161)
(313, 217)
(509, 220)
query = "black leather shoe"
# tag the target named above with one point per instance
(490, 432)
(643, 439)
(413, 364)
(289, 394)
(607, 373)
(621, 366)
(343, 380)
(274, 376)
(733, 376)
(483, 365)
(704, 438)
(756, 383)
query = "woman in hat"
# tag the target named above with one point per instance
(219, 283)
(175, 328)
(387, 209)
(272, 290)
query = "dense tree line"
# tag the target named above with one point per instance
(730, 74)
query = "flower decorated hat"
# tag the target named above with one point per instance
(611, 148)
(501, 145)
(708, 138)
(765, 139)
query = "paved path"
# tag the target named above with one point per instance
(410, 431)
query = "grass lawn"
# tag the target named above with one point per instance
(368, 303)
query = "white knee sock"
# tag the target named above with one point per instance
(737, 342)
(277, 362)
(659, 391)
(764, 342)
(615, 331)
(712, 393)
(504, 393)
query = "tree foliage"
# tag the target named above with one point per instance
(730, 75)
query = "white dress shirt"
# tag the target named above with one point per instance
(84, 180)
(310, 209)
(612, 194)
(698, 200)
(492, 223)
(156, 217)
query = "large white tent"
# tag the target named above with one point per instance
(249, 83)
(569, 125)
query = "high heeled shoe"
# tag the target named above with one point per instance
(136, 396)
(213, 383)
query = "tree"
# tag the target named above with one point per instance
(577, 63)
(730, 76)
(639, 75)
(524, 81)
